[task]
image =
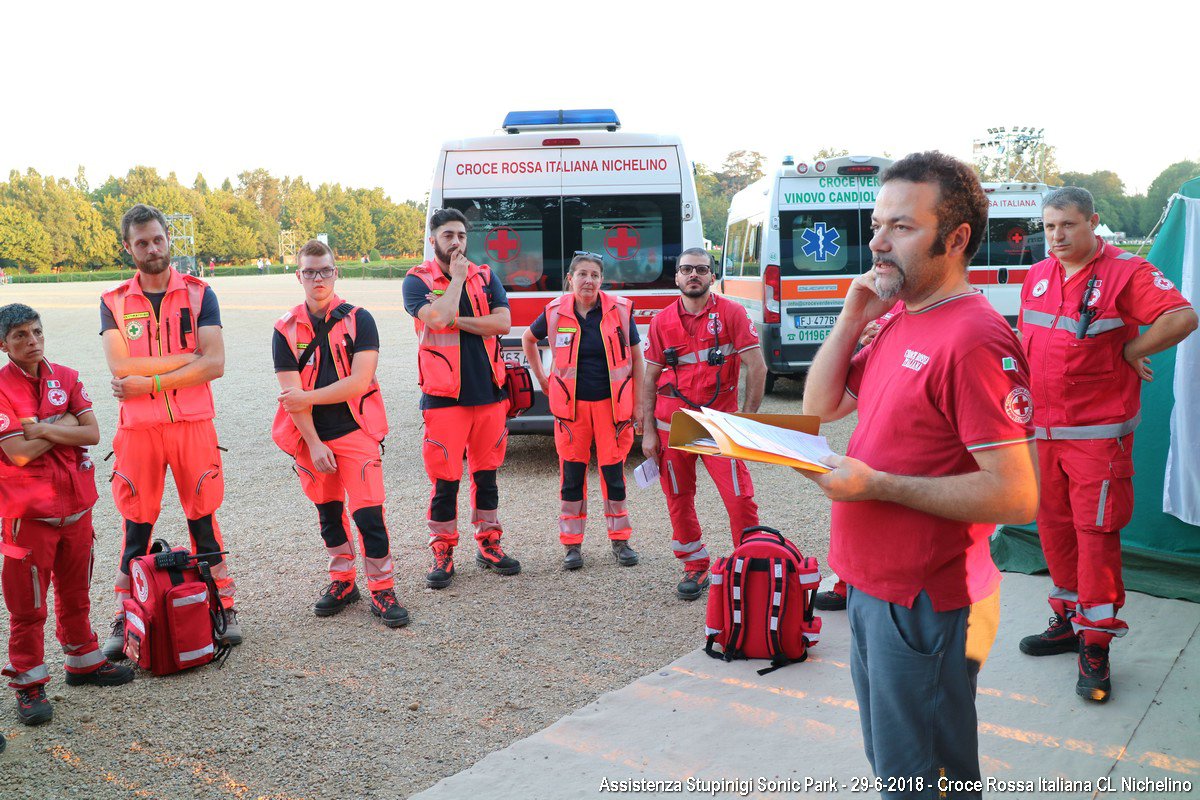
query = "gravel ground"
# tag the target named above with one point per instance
(342, 707)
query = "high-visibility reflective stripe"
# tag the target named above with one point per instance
(777, 598)
(774, 623)
(439, 338)
(38, 673)
(1124, 255)
(671, 475)
(136, 621)
(1113, 431)
(737, 593)
(694, 357)
(37, 587)
(696, 556)
(737, 490)
(737, 617)
(1100, 505)
(810, 577)
(62, 522)
(192, 655)
(1059, 593)
(1098, 613)
(88, 660)
(1041, 319)
(716, 579)
(686, 547)
(190, 599)
(711, 631)
(662, 426)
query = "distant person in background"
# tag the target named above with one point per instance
(262, 265)
(212, 266)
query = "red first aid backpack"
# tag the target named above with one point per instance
(173, 616)
(760, 601)
(518, 383)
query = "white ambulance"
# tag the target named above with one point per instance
(793, 243)
(558, 182)
(1014, 242)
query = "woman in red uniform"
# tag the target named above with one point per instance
(595, 375)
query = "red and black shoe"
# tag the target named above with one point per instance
(491, 556)
(1060, 637)
(385, 606)
(830, 601)
(33, 707)
(694, 582)
(1094, 681)
(337, 596)
(108, 674)
(443, 566)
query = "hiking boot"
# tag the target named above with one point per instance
(33, 707)
(830, 601)
(1060, 637)
(339, 595)
(114, 646)
(694, 582)
(3, 743)
(443, 566)
(109, 674)
(233, 629)
(491, 556)
(385, 606)
(1094, 681)
(625, 555)
(573, 558)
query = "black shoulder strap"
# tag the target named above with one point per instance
(319, 337)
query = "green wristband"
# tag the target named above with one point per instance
(157, 384)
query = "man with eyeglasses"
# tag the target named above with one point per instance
(331, 420)
(693, 359)
(162, 340)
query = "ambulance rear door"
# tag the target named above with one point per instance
(1015, 241)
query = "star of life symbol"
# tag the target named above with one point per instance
(1019, 405)
(57, 396)
(914, 360)
(820, 242)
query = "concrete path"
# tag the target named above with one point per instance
(722, 730)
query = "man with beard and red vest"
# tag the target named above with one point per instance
(1080, 313)
(162, 340)
(693, 358)
(460, 311)
(595, 375)
(331, 420)
(47, 490)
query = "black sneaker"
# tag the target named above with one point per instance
(337, 596)
(114, 646)
(109, 674)
(1094, 681)
(491, 556)
(574, 557)
(33, 707)
(385, 606)
(1060, 637)
(694, 582)
(443, 566)
(625, 555)
(830, 601)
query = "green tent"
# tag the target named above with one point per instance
(1160, 553)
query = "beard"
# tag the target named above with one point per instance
(693, 290)
(154, 265)
(888, 288)
(444, 256)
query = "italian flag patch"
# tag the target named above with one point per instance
(1009, 363)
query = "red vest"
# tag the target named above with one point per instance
(367, 408)
(172, 331)
(564, 330)
(439, 352)
(693, 376)
(1082, 388)
(60, 482)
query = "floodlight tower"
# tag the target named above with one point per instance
(287, 246)
(182, 231)
(1015, 141)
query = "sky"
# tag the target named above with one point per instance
(364, 93)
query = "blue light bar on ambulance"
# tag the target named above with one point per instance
(597, 118)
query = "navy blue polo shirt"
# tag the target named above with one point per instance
(592, 370)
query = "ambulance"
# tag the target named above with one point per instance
(554, 183)
(1014, 242)
(793, 243)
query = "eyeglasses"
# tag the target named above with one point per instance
(312, 274)
(688, 269)
(589, 254)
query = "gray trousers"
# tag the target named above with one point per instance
(914, 672)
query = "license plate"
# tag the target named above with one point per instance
(516, 356)
(807, 336)
(815, 320)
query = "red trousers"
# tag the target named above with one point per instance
(593, 425)
(359, 479)
(479, 433)
(677, 473)
(142, 458)
(1087, 497)
(36, 554)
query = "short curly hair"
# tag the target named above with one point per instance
(15, 315)
(960, 195)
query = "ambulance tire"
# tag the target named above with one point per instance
(770, 384)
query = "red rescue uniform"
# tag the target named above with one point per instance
(172, 428)
(1087, 403)
(687, 340)
(581, 423)
(46, 511)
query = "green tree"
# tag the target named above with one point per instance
(1165, 185)
(23, 241)
(741, 168)
(226, 228)
(826, 153)
(302, 212)
(401, 230)
(350, 228)
(200, 185)
(65, 213)
(226, 185)
(259, 187)
(1117, 210)
(1022, 163)
(714, 205)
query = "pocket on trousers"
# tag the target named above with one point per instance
(908, 638)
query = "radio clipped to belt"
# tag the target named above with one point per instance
(173, 617)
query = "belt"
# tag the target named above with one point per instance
(62, 522)
(1113, 431)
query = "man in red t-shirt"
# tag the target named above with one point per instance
(694, 353)
(942, 452)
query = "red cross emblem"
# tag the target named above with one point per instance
(504, 242)
(141, 586)
(622, 242)
(1016, 236)
(1019, 405)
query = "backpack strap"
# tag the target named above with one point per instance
(778, 609)
(737, 607)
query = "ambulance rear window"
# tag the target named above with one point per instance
(1012, 243)
(518, 237)
(638, 237)
(825, 241)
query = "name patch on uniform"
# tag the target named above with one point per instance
(301, 345)
(1019, 405)
(568, 330)
(563, 340)
(138, 315)
(914, 360)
